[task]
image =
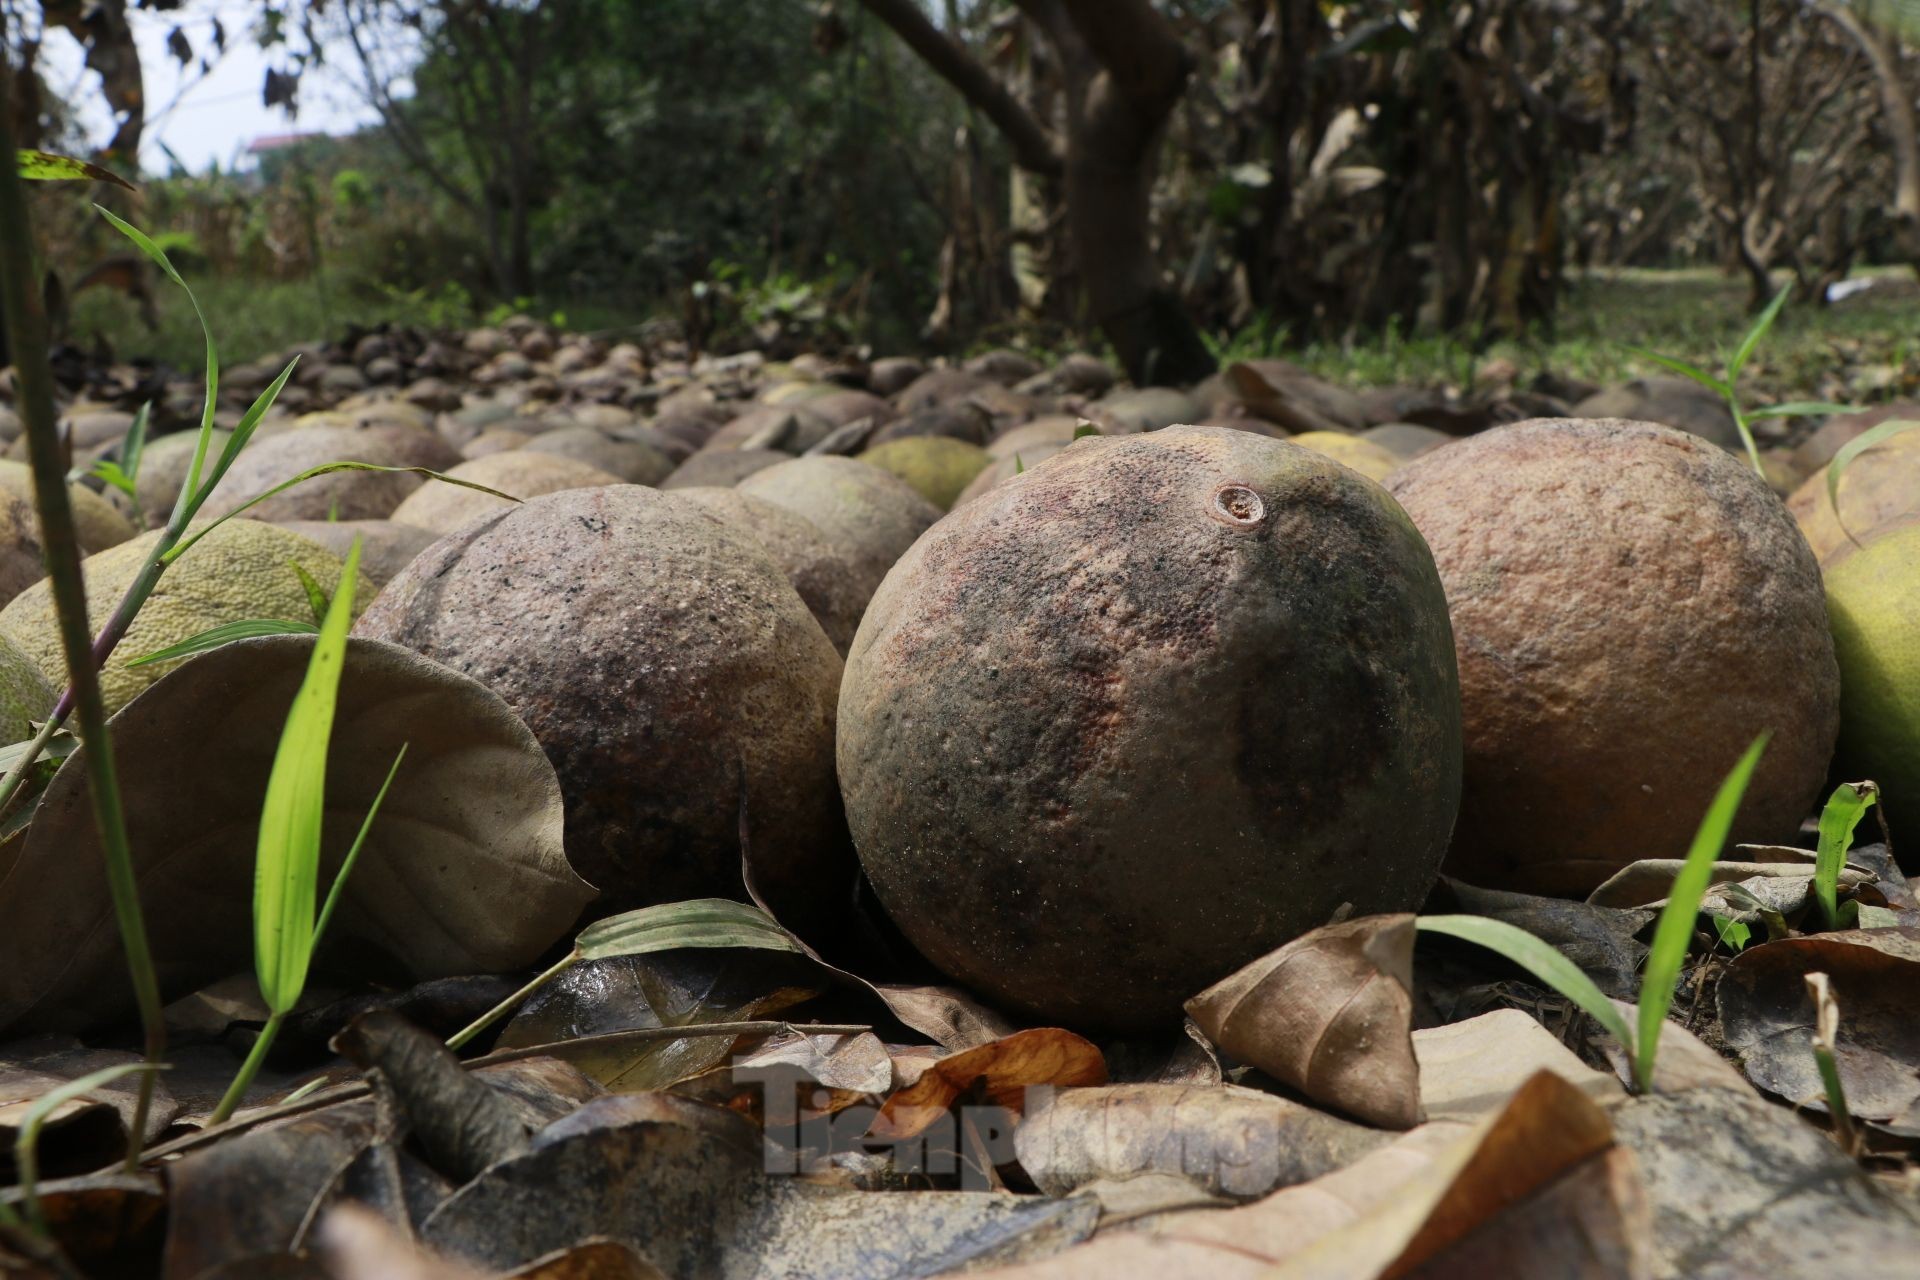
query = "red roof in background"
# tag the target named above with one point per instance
(277, 141)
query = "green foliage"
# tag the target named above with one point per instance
(1675, 928)
(698, 922)
(286, 928)
(1672, 934)
(43, 166)
(1727, 384)
(1838, 820)
(1538, 958)
(227, 633)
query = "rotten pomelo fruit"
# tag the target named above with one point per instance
(1145, 712)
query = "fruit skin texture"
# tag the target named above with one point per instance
(937, 467)
(25, 694)
(871, 515)
(656, 654)
(815, 567)
(1873, 600)
(1145, 712)
(95, 521)
(240, 570)
(1632, 607)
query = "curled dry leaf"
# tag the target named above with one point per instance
(1002, 1072)
(463, 871)
(1470, 1070)
(1741, 1187)
(697, 1205)
(1226, 1140)
(1403, 1204)
(947, 1016)
(1769, 1020)
(1331, 1014)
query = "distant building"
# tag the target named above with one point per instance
(270, 152)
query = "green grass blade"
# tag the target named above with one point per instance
(1845, 807)
(353, 851)
(154, 251)
(136, 442)
(1538, 958)
(110, 471)
(1682, 368)
(1675, 930)
(1853, 449)
(242, 435)
(1802, 409)
(227, 633)
(700, 922)
(187, 543)
(316, 594)
(26, 1142)
(44, 166)
(1759, 330)
(287, 863)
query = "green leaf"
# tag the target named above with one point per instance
(44, 166)
(1756, 333)
(1538, 958)
(153, 251)
(186, 543)
(1684, 369)
(700, 922)
(1674, 931)
(1802, 409)
(26, 1142)
(316, 594)
(227, 633)
(1019, 467)
(353, 851)
(242, 435)
(1853, 449)
(136, 443)
(58, 747)
(1085, 429)
(287, 861)
(1845, 807)
(1733, 935)
(110, 471)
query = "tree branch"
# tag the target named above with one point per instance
(1138, 47)
(1034, 148)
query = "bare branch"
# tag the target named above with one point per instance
(1034, 148)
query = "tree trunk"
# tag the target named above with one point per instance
(1125, 70)
(1108, 187)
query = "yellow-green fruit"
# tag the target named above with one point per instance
(1879, 486)
(25, 693)
(938, 468)
(1364, 456)
(95, 521)
(243, 569)
(1873, 604)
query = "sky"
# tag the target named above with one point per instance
(218, 113)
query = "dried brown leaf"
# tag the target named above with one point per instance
(1768, 1019)
(1224, 1139)
(463, 872)
(1331, 1014)
(1001, 1072)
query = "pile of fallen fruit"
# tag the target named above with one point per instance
(1037, 784)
